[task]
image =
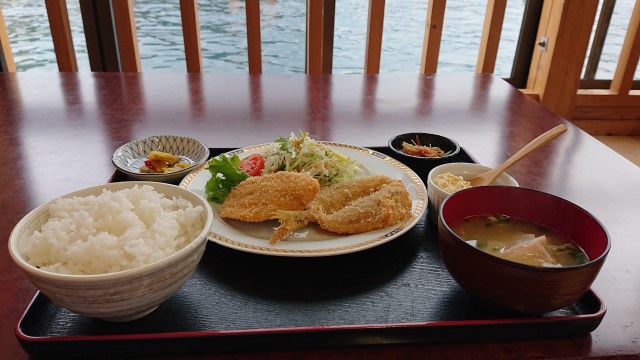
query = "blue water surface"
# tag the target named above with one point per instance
(223, 36)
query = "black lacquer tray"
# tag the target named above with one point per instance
(398, 292)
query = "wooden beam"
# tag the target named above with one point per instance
(526, 44)
(191, 35)
(314, 36)
(6, 55)
(530, 93)
(598, 39)
(254, 38)
(374, 37)
(61, 35)
(565, 28)
(90, 25)
(99, 33)
(328, 22)
(493, 19)
(432, 36)
(623, 77)
(127, 36)
(609, 127)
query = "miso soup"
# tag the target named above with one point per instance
(520, 240)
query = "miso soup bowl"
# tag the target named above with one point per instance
(510, 285)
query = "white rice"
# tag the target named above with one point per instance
(113, 231)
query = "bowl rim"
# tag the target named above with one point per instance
(510, 263)
(454, 152)
(513, 182)
(159, 175)
(200, 239)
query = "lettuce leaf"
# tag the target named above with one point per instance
(225, 174)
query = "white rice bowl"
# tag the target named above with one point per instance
(115, 251)
(114, 231)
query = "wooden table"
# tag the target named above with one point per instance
(58, 132)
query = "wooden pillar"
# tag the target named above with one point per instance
(493, 19)
(7, 63)
(100, 35)
(320, 28)
(432, 36)
(328, 29)
(556, 65)
(254, 38)
(623, 78)
(191, 35)
(124, 20)
(374, 37)
(61, 35)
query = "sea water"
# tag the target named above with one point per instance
(223, 36)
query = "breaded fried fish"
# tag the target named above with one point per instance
(361, 205)
(333, 198)
(351, 207)
(258, 198)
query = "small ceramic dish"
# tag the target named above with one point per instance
(130, 157)
(421, 164)
(466, 170)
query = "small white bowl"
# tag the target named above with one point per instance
(118, 296)
(466, 170)
(129, 157)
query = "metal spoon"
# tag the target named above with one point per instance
(488, 177)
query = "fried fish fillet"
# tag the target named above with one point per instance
(258, 198)
(351, 207)
(333, 198)
(361, 205)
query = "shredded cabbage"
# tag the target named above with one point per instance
(306, 155)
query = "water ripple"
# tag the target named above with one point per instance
(224, 43)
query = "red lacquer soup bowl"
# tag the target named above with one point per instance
(508, 284)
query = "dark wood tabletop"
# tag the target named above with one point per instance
(59, 130)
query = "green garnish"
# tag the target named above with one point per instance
(225, 175)
(284, 144)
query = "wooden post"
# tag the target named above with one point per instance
(254, 39)
(314, 36)
(623, 77)
(7, 63)
(493, 19)
(374, 37)
(191, 35)
(598, 39)
(328, 29)
(99, 33)
(556, 65)
(61, 35)
(127, 36)
(432, 36)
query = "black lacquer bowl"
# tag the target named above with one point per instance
(420, 164)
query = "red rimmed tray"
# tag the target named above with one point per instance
(399, 292)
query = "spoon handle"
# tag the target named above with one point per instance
(534, 144)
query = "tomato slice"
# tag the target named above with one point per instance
(252, 165)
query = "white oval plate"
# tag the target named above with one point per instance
(312, 241)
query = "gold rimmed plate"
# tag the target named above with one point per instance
(312, 241)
